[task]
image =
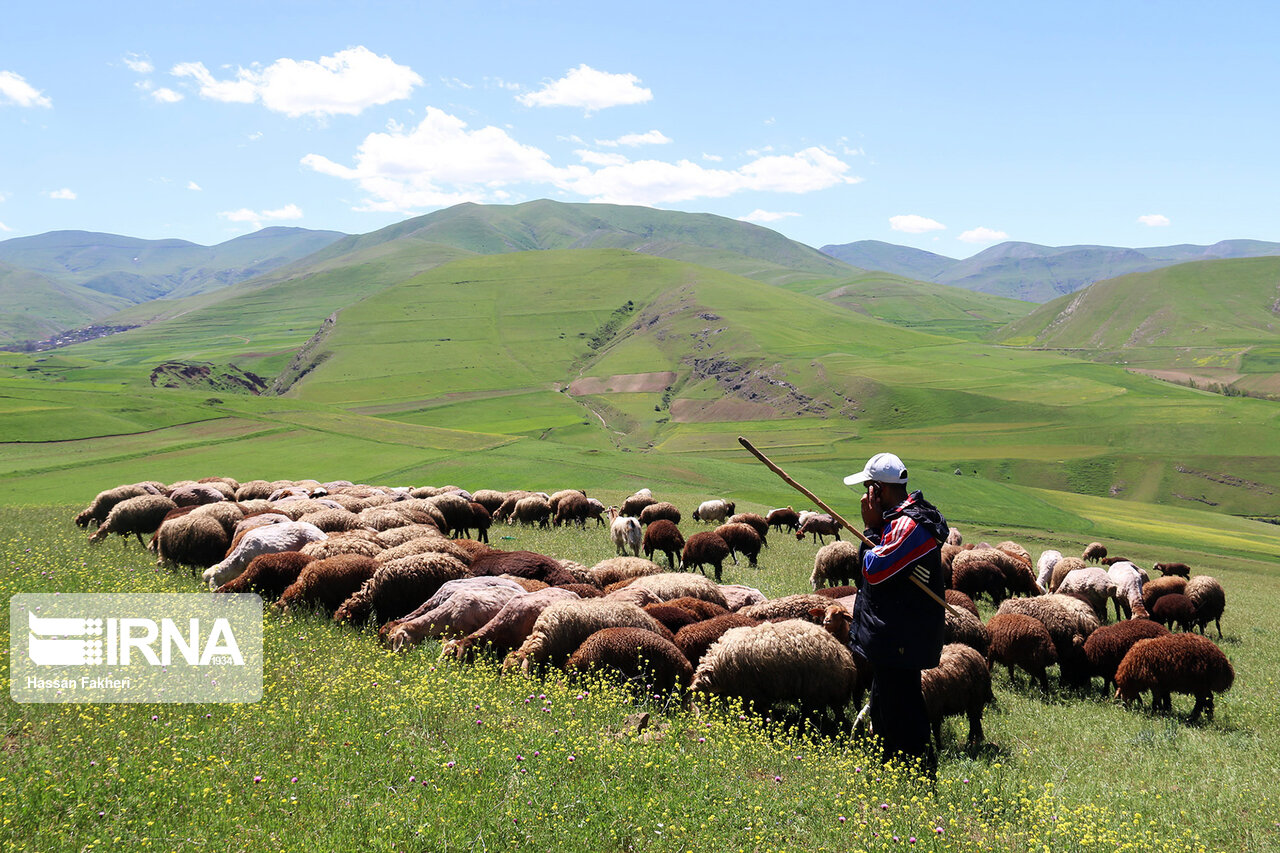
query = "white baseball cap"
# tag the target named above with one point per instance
(883, 468)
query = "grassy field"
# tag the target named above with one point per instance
(353, 747)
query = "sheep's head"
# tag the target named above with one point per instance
(836, 619)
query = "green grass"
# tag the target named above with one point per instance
(353, 747)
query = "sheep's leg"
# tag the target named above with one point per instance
(975, 726)
(1218, 622)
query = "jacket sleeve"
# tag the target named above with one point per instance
(902, 544)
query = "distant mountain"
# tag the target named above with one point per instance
(35, 307)
(1032, 272)
(128, 270)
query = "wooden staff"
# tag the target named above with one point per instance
(818, 501)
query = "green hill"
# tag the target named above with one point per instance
(36, 307)
(1211, 322)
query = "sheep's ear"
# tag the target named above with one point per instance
(817, 612)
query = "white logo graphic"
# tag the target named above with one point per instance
(52, 651)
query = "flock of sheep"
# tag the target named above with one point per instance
(416, 563)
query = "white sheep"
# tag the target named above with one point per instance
(626, 532)
(713, 510)
(1044, 567)
(1094, 584)
(272, 539)
(458, 608)
(1129, 580)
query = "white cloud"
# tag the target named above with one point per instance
(138, 63)
(439, 162)
(758, 215)
(631, 140)
(713, 158)
(255, 136)
(166, 96)
(442, 161)
(15, 89)
(4, 227)
(912, 224)
(590, 89)
(63, 194)
(346, 83)
(257, 217)
(1153, 220)
(600, 158)
(983, 235)
(192, 185)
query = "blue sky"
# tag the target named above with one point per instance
(945, 126)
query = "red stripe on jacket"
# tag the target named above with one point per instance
(903, 544)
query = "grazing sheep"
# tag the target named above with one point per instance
(1166, 569)
(381, 518)
(596, 510)
(457, 608)
(1012, 561)
(192, 539)
(1062, 568)
(489, 499)
(286, 536)
(398, 587)
(1094, 585)
(1070, 621)
(522, 564)
(787, 607)
(964, 627)
(196, 494)
(269, 575)
(694, 640)
(480, 521)
(670, 585)
(665, 537)
(571, 508)
(974, 576)
(1209, 600)
(636, 503)
(581, 574)
(954, 537)
(583, 590)
(506, 510)
(1128, 580)
(640, 656)
(1174, 609)
(834, 592)
(134, 516)
(836, 562)
(757, 522)
(431, 542)
(738, 596)
(328, 583)
(533, 510)
(790, 661)
(784, 518)
(395, 536)
(1094, 552)
(563, 627)
(611, 571)
(706, 548)
(513, 624)
(1022, 641)
(741, 537)
(716, 509)
(1013, 549)
(699, 607)
(1108, 645)
(344, 543)
(671, 616)
(818, 525)
(1167, 585)
(626, 533)
(638, 596)
(655, 511)
(1178, 663)
(254, 490)
(527, 584)
(959, 684)
(1111, 561)
(459, 517)
(956, 598)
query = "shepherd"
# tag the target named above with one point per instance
(898, 630)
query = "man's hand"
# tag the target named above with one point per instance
(872, 513)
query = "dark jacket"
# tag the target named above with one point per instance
(894, 622)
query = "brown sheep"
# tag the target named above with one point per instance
(743, 538)
(643, 659)
(269, 575)
(614, 569)
(757, 522)
(956, 598)
(836, 591)
(489, 499)
(963, 627)
(1174, 609)
(974, 576)
(1153, 589)
(1070, 622)
(571, 508)
(1178, 663)
(190, 539)
(1094, 552)
(694, 640)
(819, 525)
(784, 518)
(835, 563)
(655, 511)
(1024, 642)
(1062, 568)
(663, 536)
(959, 684)
(329, 582)
(1166, 569)
(100, 507)
(707, 548)
(787, 607)
(1209, 600)
(1108, 645)
(562, 628)
(699, 607)
(636, 503)
(522, 564)
(672, 616)
(398, 587)
(134, 517)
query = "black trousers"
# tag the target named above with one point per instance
(898, 714)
